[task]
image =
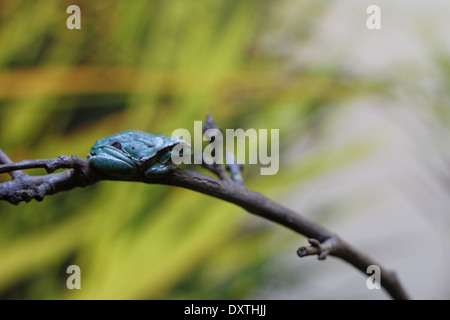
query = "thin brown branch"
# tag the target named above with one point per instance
(213, 132)
(6, 160)
(48, 164)
(81, 175)
(323, 242)
(259, 205)
(26, 187)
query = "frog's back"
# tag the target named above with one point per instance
(140, 144)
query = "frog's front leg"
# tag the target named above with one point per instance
(161, 168)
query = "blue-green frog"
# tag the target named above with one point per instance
(133, 153)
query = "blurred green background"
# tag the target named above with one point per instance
(157, 66)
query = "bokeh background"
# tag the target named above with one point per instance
(363, 118)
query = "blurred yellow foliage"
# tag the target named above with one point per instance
(153, 66)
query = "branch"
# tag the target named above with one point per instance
(49, 164)
(6, 160)
(213, 133)
(323, 242)
(24, 187)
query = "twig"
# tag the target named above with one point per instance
(6, 160)
(48, 164)
(214, 133)
(322, 250)
(235, 169)
(257, 204)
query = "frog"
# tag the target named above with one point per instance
(133, 153)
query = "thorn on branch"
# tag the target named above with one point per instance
(322, 250)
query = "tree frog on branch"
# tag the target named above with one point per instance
(133, 153)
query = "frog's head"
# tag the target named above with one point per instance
(133, 153)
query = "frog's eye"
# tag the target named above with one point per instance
(117, 145)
